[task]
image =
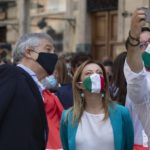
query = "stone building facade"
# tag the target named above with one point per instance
(93, 26)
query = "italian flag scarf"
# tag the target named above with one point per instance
(53, 109)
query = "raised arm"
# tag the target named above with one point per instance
(134, 58)
(138, 83)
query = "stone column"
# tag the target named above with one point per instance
(23, 16)
(121, 21)
(83, 28)
(68, 41)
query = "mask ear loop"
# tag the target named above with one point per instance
(34, 51)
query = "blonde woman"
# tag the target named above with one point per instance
(94, 122)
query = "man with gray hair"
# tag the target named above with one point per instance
(23, 124)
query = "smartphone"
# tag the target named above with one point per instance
(147, 11)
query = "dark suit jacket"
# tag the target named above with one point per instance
(23, 123)
(64, 93)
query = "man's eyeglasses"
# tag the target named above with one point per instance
(143, 45)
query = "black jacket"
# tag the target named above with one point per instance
(64, 93)
(23, 123)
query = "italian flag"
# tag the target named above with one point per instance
(94, 83)
(146, 56)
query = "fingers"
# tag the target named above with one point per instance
(139, 15)
(137, 22)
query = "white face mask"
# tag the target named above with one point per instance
(68, 65)
(50, 82)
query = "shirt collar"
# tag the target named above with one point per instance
(33, 75)
(28, 70)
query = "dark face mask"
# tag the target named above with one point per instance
(47, 61)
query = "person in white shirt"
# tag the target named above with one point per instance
(118, 93)
(136, 69)
(94, 122)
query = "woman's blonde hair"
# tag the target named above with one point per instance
(79, 102)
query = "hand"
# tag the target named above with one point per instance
(137, 22)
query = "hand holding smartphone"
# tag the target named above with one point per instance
(147, 11)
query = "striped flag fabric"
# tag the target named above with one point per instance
(146, 56)
(94, 83)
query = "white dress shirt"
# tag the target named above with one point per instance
(138, 90)
(140, 137)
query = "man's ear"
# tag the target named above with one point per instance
(28, 53)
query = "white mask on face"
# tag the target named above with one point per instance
(50, 82)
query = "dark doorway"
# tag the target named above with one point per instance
(3, 34)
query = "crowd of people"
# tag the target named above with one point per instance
(56, 103)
